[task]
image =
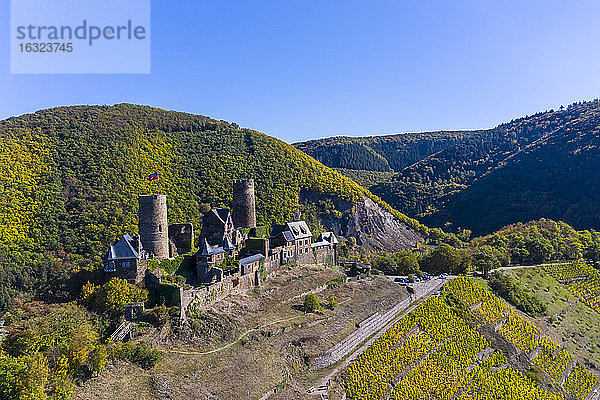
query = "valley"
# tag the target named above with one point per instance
(257, 272)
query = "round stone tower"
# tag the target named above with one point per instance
(244, 210)
(153, 225)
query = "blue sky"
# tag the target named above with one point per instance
(306, 69)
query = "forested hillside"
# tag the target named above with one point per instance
(532, 167)
(70, 177)
(556, 177)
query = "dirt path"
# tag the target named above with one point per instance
(196, 353)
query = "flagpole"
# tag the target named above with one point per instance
(158, 181)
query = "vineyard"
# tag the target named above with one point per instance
(580, 279)
(438, 352)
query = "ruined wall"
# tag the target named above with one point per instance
(182, 236)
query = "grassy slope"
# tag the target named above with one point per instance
(262, 359)
(574, 325)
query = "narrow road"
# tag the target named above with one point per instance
(322, 386)
(527, 266)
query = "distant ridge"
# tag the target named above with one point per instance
(537, 166)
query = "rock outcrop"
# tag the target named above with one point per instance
(374, 228)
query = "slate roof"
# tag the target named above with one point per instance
(250, 259)
(278, 230)
(299, 229)
(287, 235)
(227, 245)
(121, 250)
(329, 237)
(207, 250)
(222, 213)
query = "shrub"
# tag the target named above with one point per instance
(141, 354)
(331, 302)
(98, 358)
(160, 315)
(311, 303)
(146, 356)
(339, 281)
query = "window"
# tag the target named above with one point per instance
(126, 264)
(109, 266)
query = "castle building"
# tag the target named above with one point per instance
(126, 259)
(296, 240)
(219, 267)
(217, 225)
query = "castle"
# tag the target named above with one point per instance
(233, 253)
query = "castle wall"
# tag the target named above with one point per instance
(153, 225)
(304, 254)
(244, 208)
(325, 255)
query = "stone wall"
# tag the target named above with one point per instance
(324, 255)
(135, 273)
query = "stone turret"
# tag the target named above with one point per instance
(244, 209)
(153, 225)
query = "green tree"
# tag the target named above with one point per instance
(443, 258)
(311, 303)
(408, 263)
(540, 249)
(485, 259)
(111, 297)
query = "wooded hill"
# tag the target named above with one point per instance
(70, 178)
(542, 165)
